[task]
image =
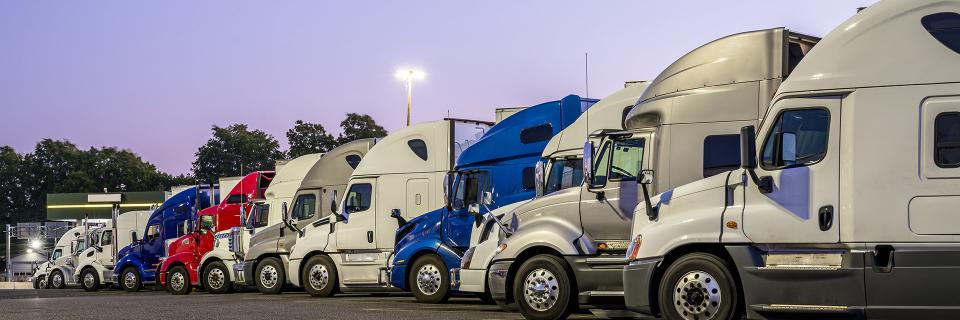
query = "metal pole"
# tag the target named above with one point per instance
(409, 94)
(9, 265)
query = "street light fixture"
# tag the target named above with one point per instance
(408, 75)
(35, 244)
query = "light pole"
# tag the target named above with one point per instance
(408, 75)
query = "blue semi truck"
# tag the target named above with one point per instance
(503, 163)
(138, 262)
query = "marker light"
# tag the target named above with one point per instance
(634, 248)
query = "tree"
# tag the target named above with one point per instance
(307, 138)
(359, 126)
(11, 194)
(235, 151)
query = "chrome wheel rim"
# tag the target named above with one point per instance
(428, 279)
(696, 296)
(215, 278)
(57, 280)
(88, 279)
(319, 276)
(130, 280)
(541, 289)
(268, 276)
(177, 281)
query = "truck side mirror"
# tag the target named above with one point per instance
(748, 148)
(588, 162)
(334, 208)
(447, 180)
(395, 213)
(487, 198)
(283, 212)
(646, 177)
(133, 237)
(538, 177)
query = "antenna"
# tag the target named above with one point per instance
(586, 73)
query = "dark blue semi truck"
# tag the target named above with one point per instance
(503, 163)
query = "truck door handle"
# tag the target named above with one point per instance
(370, 236)
(826, 218)
(883, 258)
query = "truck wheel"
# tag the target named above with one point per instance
(130, 280)
(270, 277)
(36, 283)
(56, 280)
(89, 280)
(543, 290)
(429, 279)
(319, 276)
(698, 286)
(216, 278)
(44, 284)
(178, 281)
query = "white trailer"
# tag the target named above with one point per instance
(95, 263)
(400, 178)
(845, 204)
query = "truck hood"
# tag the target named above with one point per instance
(425, 224)
(123, 252)
(527, 211)
(676, 195)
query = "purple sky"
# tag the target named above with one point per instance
(154, 76)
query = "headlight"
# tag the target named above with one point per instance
(634, 249)
(503, 246)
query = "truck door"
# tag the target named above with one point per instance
(305, 211)
(359, 206)
(458, 222)
(608, 200)
(799, 153)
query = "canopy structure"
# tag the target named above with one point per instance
(74, 206)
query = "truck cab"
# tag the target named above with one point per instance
(560, 167)
(266, 265)
(137, 263)
(95, 264)
(502, 162)
(59, 272)
(844, 203)
(183, 263)
(399, 179)
(568, 248)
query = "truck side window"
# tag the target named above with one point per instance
(626, 159)
(799, 138)
(106, 238)
(306, 207)
(237, 198)
(601, 166)
(946, 140)
(260, 220)
(153, 231)
(358, 198)
(537, 133)
(564, 173)
(56, 254)
(468, 189)
(720, 154)
(529, 178)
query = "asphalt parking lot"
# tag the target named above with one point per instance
(116, 304)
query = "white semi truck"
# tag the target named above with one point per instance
(95, 263)
(400, 178)
(568, 248)
(58, 272)
(845, 204)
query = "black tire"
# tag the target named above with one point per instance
(558, 299)
(435, 287)
(701, 279)
(89, 279)
(216, 278)
(36, 283)
(44, 284)
(178, 281)
(270, 269)
(312, 280)
(57, 281)
(134, 284)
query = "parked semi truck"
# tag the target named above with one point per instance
(399, 179)
(266, 259)
(62, 261)
(137, 263)
(563, 157)
(824, 219)
(503, 162)
(180, 271)
(97, 261)
(229, 246)
(569, 248)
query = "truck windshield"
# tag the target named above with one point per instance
(564, 173)
(468, 189)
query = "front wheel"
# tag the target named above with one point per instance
(178, 281)
(56, 280)
(36, 283)
(429, 280)
(319, 276)
(543, 289)
(698, 286)
(216, 278)
(89, 280)
(130, 280)
(270, 277)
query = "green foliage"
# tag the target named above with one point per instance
(235, 151)
(306, 138)
(359, 126)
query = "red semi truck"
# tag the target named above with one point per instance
(179, 271)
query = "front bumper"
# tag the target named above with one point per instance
(637, 279)
(497, 280)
